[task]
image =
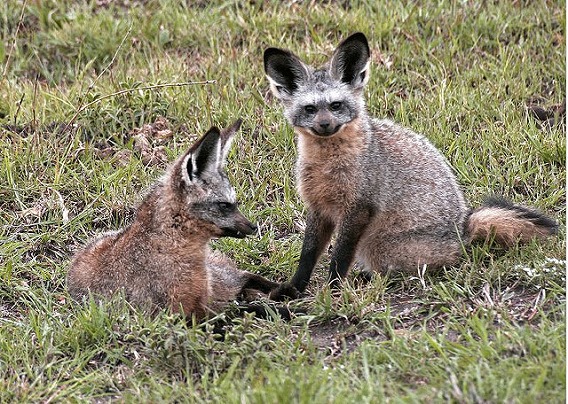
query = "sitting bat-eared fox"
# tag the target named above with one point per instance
(386, 192)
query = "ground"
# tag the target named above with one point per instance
(96, 97)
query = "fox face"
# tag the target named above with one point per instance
(321, 101)
(202, 187)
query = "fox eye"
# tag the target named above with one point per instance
(310, 109)
(226, 206)
(335, 106)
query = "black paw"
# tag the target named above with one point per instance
(285, 291)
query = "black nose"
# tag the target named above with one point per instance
(240, 230)
(247, 228)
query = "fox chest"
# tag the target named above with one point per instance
(328, 170)
(329, 188)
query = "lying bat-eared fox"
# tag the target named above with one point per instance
(163, 258)
(387, 192)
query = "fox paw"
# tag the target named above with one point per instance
(285, 291)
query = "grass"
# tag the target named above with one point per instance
(489, 330)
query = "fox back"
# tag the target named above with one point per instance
(346, 157)
(387, 191)
(163, 259)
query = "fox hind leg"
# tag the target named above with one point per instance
(254, 281)
(409, 251)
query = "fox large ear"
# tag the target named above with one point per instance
(204, 155)
(285, 72)
(227, 136)
(350, 61)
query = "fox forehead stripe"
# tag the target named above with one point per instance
(231, 195)
(328, 95)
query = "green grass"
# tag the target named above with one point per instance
(489, 330)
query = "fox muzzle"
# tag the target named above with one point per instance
(241, 228)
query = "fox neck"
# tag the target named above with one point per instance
(349, 140)
(328, 168)
(161, 213)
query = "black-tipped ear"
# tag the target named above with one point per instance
(205, 154)
(284, 70)
(350, 61)
(227, 135)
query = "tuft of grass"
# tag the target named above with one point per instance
(77, 78)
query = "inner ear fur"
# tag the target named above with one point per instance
(285, 70)
(227, 136)
(350, 61)
(204, 154)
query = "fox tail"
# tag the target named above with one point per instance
(507, 223)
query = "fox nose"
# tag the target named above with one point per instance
(247, 227)
(325, 123)
(240, 228)
(325, 128)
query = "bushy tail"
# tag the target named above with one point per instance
(506, 223)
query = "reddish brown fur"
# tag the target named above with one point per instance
(325, 172)
(410, 255)
(118, 261)
(162, 260)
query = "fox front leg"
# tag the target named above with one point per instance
(316, 239)
(260, 283)
(350, 231)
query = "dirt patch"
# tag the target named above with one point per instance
(409, 315)
(148, 143)
(340, 336)
(31, 128)
(547, 117)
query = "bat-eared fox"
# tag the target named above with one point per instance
(162, 259)
(386, 192)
